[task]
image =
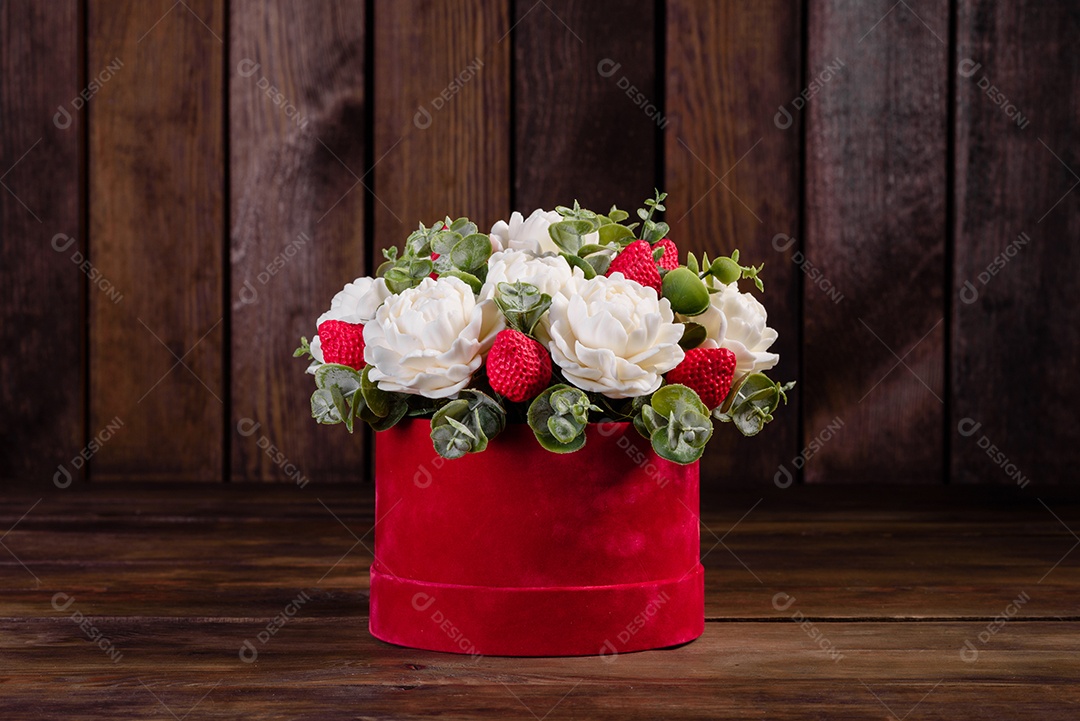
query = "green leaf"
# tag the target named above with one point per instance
(651, 420)
(675, 398)
(420, 268)
(576, 261)
(614, 234)
(465, 424)
(347, 380)
(398, 409)
(463, 227)
(677, 423)
(323, 407)
(522, 304)
(471, 252)
(470, 279)
(563, 429)
(559, 432)
(691, 262)
(751, 405)
(303, 350)
(616, 215)
(600, 263)
(590, 249)
(680, 451)
(567, 234)
(694, 334)
(444, 241)
(378, 400)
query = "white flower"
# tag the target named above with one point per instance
(737, 321)
(355, 303)
(548, 273)
(429, 340)
(530, 234)
(613, 336)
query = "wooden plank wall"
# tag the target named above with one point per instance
(905, 171)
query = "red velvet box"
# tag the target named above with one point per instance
(517, 551)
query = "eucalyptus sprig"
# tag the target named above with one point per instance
(677, 424)
(653, 231)
(522, 304)
(558, 417)
(751, 405)
(461, 251)
(725, 270)
(466, 424)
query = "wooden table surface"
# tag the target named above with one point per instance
(823, 602)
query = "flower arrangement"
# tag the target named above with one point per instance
(560, 319)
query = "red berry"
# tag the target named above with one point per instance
(342, 343)
(518, 367)
(708, 371)
(670, 259)
(434, 257)
(636, 263)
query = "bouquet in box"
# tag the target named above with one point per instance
(560, 319)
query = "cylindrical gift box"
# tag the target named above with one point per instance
(517, 551)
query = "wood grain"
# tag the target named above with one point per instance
(733, 178)
(157, 232)
(578, 132)
(297, 155)
(876, 151)
(43, 290)
(330, 668)
(1017, 170)
(437, 155)
(953, 553)
(148, 572)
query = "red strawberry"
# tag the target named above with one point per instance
(708, 371)
(342, 343)
(670, 259)
(517, 366)
(636, 262)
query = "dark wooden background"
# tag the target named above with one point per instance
(238, 161)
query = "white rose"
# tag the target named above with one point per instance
(548, 273)
(429, 340)
(530, 234)
(737, 321)
(613, 336)
(355, 303)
